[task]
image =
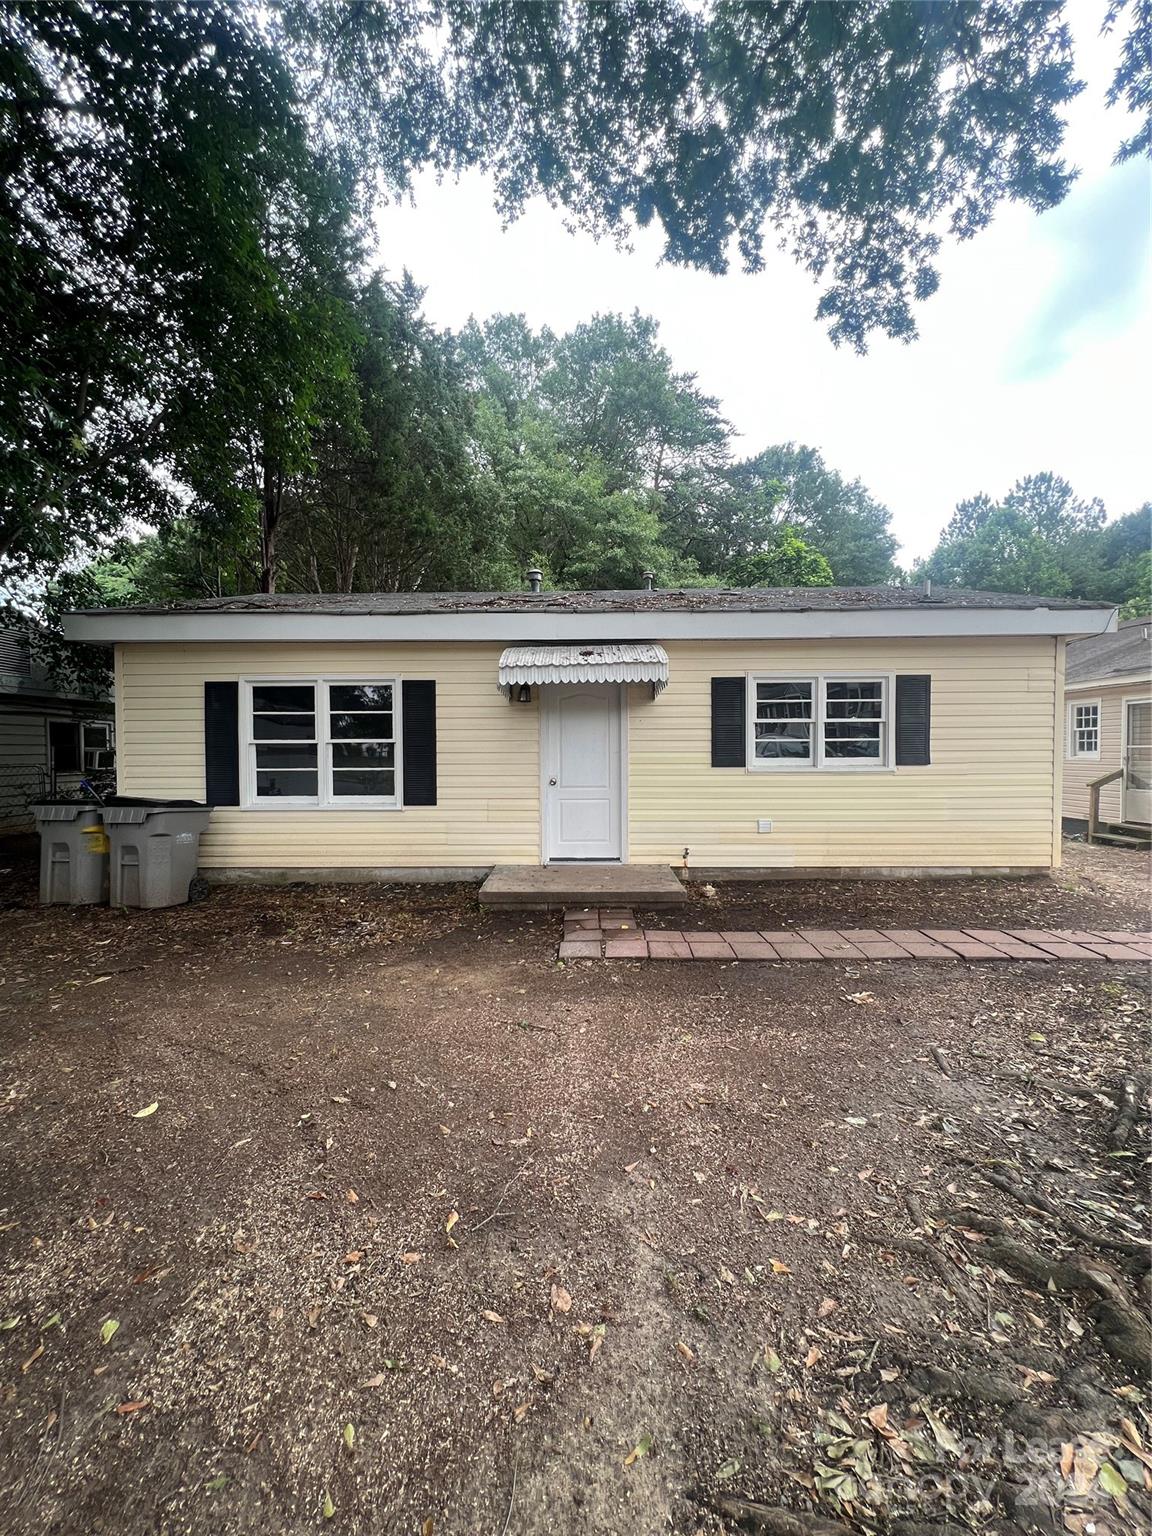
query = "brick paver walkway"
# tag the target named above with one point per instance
(610, 933)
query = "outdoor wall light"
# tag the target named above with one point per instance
(524, 695)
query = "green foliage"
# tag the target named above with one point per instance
(181, 188)
(1043, 539)
(787, 563)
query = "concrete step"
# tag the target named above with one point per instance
(525, 887)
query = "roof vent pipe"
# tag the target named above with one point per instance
(649, 580)
(535, 580)
(928, 587)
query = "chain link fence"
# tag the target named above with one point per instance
(21, 786)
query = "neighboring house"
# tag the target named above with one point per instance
(1108, 730)
(49, 738)
(435, 735)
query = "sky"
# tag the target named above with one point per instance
(1032, 355)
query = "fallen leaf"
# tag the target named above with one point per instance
(641, 1448)
(133, 1407)
(889, 1375)
(772, 1360)
(1113, 1483)
(33, 1357)
(352, 1197)
(315, 1194)
(561, 1299)
(354, 1256)
(683, 1349)
(492, 1317)
(778, 1268)
(826, 1307)
(411, 1258)
(9, 1322)
(108, 1330)
(374, 1381)
(329, 1507)
(812, 1356)
(149, 1109)
(727, 1469)
(453, 1218)
(1067, 1452)
(370, 1319)
(349, 1435)
(428, 1528)
(520, 1412)
(878, 1416)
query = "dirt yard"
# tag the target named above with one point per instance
(352, 1210)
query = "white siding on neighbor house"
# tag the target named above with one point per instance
(989, 798)
(1080, 771)
(487, 763)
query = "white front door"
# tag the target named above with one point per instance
(1137, 803)
(582, 770)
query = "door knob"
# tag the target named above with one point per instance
(552, 782)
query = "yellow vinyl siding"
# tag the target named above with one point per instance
(987, 800)
(487, 763)
(1080, 771)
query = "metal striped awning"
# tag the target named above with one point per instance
(538, 665)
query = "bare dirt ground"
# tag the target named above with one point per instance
(428, 1233)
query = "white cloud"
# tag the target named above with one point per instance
(971, 406)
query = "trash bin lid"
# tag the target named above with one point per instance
(62, 810)
(152, 803)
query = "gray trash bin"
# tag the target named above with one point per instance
(73, 853)
(155, 849)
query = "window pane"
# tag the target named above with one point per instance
(784, 691)
(280, 696)
(360, 696)
(855, 700)
(362, 725)
(364, 781)
(277, 783)
(363, 754)
(286, 757)
(284, 727)
(783, 709)
(783, 740)
(846, 730)
(857, 748)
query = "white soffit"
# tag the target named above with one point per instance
(539, 665)
(112, 627)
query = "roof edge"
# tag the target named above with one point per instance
(118, 626)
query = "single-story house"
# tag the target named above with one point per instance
(1108, 731)
(767, 731)
(50, 736)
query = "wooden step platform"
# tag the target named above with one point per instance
(520, 887)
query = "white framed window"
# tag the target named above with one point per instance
(834, 721)
(97, 745)
(323, 742)
(1084, 729)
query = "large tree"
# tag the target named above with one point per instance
(155, 160)
(1043, 538)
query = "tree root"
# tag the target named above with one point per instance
(1124, 1332)
(1133, 1090)
(1038, 1201)
(947, 1272)
(971, 1386)
(771, 1520)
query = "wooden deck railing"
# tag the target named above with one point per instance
(1094, 788)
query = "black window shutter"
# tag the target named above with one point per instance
(419, 699)
(728, 744)
(913, 721)
(222, 743)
